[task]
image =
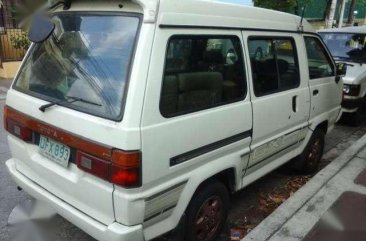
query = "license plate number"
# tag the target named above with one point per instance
(54, 151)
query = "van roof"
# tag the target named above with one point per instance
(361, 29)
(214, 13)
(221, 14)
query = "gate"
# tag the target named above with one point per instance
(8, 31)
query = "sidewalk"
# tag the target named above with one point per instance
(4, 86)
(331, 207)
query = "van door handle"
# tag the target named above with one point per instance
(294, 104)
(315, 92)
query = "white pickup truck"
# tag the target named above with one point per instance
(349, 45)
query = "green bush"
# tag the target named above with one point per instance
(20, 41)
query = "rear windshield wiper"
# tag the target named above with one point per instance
(73, 99)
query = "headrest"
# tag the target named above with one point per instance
(213, 57)
(170, 84)
(200, 81)
(270, 66)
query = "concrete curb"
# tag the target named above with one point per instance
(273, 223)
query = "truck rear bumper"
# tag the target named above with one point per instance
(112, 232)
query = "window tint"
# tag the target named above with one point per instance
(202, 72)
(87, 57)
(274, 64)
(320, 64)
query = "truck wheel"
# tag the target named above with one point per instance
(207, 212)
(354, 119)
(308, 162)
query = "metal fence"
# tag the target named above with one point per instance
(8, 31)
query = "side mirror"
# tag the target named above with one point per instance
(341, 69)
(42, 27)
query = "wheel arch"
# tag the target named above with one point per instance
(323, 126)
(226, 177)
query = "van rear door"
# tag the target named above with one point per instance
(69, 95)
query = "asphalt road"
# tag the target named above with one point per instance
(337, 141)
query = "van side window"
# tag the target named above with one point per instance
(320, 64)
(275, 65)
(202, 72)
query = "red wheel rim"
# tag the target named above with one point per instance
(208, 219)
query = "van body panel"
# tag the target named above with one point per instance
(103, 6)
(163, 137)
(277, 126)
(58, 180)
(276, 160)
(196, 176)
(99, 231)
(243, 137)
(128, 209)
(159, 133)
(202, 13)
(123, 135)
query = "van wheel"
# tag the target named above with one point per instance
(207, 212)
(308, 162)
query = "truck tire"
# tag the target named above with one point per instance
(207, 212)
(354, 119)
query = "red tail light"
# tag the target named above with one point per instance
(124, 170)
(93, 165)
(116, 166)
(16, 128)
(6, 114)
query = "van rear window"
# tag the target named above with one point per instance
(84, 64)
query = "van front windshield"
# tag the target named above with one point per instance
(346, 46)
(84, 64)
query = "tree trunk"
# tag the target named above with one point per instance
(341, 13)
(351, 15)
(330, 17)
(327, 9)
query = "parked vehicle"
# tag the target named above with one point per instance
(130, 119)
(348, 45)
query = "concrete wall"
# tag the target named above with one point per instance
(9, 69)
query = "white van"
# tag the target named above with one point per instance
(133, 117)
(348, 45)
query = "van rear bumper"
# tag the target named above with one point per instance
(113, 232)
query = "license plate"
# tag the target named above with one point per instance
(54, 151)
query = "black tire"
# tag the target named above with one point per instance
(354, 119)
(308, 162)
(212, 194)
